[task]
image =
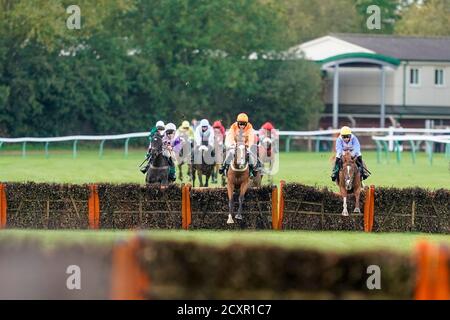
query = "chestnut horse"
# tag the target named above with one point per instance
(238, 177)
(349, 181)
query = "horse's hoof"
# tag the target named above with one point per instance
(238, 216)
(230, 220)
(357, 210)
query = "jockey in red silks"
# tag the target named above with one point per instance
(220, 128)
(268, 134)
(219, 137)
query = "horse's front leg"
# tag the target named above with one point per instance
(241, 201)
(180, 172)
(243, 190)
(193, 176)
(207, 176)
(200, 177)
(357, 194)
(344, 205)
(230, 204)
(189, 173)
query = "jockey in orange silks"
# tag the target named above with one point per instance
(241, 125)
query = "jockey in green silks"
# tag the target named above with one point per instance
(157, 129)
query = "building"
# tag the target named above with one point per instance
(378, 80)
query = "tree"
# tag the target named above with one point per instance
(432, 18)
(389, 14)
(309, 19)
(139, 61)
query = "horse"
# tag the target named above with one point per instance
(158, 171)
(184, 157)
(267, 155)
(219, 151)
(238, 177)
(349, 181)
(205, 167)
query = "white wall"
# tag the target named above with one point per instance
(427, 93)
(362, 86)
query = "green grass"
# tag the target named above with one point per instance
(308, 168)
(325, 241)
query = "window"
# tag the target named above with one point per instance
(439, 77)
(414, 77)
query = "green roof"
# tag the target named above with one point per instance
(364, 55)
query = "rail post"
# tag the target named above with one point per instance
(127, 140)
(397, 151)
(74, 149)
(413, 151)
(24, 149)
(46, 149)
(430, 146)
(100, 153)
(288, 143)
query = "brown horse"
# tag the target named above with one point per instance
(349, 181)
(238, 177)
(205, 167)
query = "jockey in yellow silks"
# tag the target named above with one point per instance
(348, 142)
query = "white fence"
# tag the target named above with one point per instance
(380, 136)
(396, 144)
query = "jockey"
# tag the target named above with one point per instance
(204, 134)
(185, 131)
(220, 128)
(230, 142)
(267, 131)
(219, 137)
(348, 141)
(171, 145)
(157, 129)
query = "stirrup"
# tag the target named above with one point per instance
(223, 169)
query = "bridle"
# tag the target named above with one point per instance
(242, 164)
(349, 168)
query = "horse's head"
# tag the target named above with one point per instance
(240, 156)
(156, 145)
(349, 170)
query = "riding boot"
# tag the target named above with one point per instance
(335, 172)
(148, 156)
(172, 176)
(145, 169)
(224, 168)
(360, 165)
(251, 170)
